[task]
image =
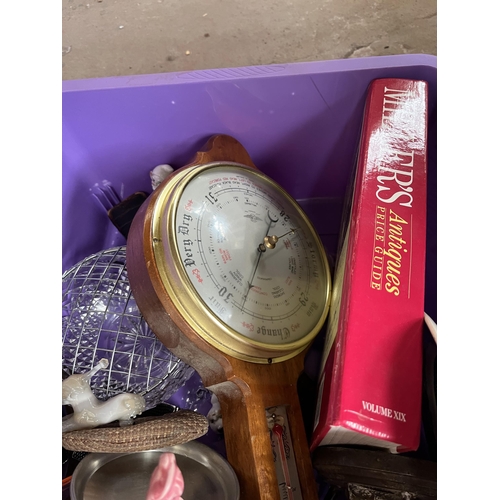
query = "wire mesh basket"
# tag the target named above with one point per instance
(100, 319)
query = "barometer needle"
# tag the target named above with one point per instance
(260, 252)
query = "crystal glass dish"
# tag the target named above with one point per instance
(100, 319)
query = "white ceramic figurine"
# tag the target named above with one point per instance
(88, 411)
(214, 415)
(159, 174)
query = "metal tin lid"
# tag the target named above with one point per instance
(126, 476)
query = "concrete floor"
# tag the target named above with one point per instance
(124, 37)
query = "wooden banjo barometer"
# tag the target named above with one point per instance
(231, 276)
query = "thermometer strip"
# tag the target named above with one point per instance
(278, 432)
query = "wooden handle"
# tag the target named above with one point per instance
(222, 148)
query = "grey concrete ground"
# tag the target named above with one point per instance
(124, 37)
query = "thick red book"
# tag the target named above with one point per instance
(370, 385)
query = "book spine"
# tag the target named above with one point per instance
(384, 302)
(378, 295)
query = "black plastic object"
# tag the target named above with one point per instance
(122, 214)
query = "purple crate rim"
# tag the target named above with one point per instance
(273, 70)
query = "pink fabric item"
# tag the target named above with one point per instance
(166, 482)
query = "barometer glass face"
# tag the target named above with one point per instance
(250, 253)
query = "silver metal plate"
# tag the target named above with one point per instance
(126, 476)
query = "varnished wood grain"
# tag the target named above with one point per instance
(244, 389)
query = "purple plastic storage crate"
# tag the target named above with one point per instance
(300, 123)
